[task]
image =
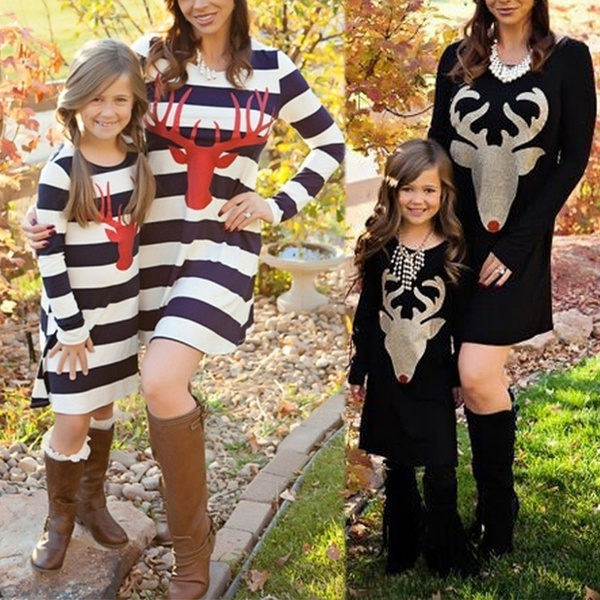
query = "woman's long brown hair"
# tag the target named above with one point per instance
(479, 33)
(179, 47)
(403, 167)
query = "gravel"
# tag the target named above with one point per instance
(288, 365)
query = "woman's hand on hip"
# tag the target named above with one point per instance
(493, 271)
(36, 233)
(244, 209)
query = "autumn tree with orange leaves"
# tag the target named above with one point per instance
(26, 64)
(391, 57)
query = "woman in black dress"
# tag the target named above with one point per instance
(515, 106)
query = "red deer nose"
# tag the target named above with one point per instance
(403, 379)
(493, 226)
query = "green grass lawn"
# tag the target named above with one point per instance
(304, 553)
(557, 536)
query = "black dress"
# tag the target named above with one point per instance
(403, 347)
(519, 149)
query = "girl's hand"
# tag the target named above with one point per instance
(493, 272)
(244, 209)
(457, 396)
(36, 234)
(358, 392)
(71, 356)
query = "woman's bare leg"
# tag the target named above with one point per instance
(166, 370)
(483, 378)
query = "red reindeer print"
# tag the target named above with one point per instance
(202, 161)
(117, 230)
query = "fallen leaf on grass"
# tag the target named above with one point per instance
(591, 594)
(256, 443)
(358, 531)
(283, 559)
(288, 495)
(306, 548)
(256, 580)
(333, 552)
(285, 408)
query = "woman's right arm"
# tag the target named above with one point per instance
(37, 234)
(439, 129)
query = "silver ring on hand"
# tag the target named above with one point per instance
(501, 271)
(247, 214)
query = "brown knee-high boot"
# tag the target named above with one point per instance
(62, 482)
(91, 500)
(178, 446)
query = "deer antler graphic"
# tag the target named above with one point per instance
(118, 231)
(495, 170)
(203, 160)
(406, 339)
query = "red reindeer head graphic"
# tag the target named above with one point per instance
(123, 234)
(202, 161)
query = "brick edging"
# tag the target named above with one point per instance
(255, 509)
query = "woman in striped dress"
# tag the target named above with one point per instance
(215, 94)
(94, 192)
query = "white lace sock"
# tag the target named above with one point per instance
(103, 425)
(80, 455)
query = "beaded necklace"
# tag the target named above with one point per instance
(205, 70)
(406, 264)
(508, 73)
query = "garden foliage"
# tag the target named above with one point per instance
(392, 48)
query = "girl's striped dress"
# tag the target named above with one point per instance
(90, 288)
(205, 140)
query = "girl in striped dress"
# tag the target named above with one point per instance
(94, 193)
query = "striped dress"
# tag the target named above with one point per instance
(205, 140)
(90, 289)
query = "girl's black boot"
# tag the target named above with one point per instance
(447, 549)
(402, 518)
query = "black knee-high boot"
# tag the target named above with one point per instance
(492, 443)
(475, 531)
(446, 549)
(402, 518)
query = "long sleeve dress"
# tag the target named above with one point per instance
(204, 141)
(403, 349)
(90, 281)
(518, 150)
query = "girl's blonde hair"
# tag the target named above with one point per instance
(95, 67)
(402, 167)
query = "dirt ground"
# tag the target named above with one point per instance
(576, 273)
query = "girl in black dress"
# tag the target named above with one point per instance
(515, 107)
(408, 263)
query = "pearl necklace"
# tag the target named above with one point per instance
(508, 73)
(407, 264)
(205, 70)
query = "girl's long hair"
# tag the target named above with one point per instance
(480, 32)
(95, 67)
(404, 166)
(179, 46)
